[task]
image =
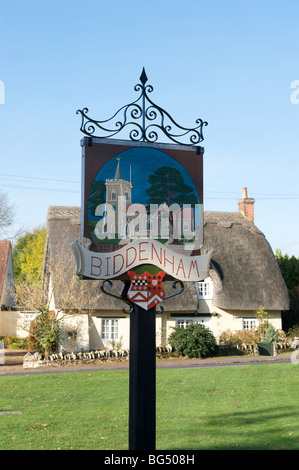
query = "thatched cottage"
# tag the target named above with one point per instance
(243, 276)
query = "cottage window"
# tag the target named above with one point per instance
(28, 318)
(184, 322)
(109, 329)
(249, 323)
(205, 289)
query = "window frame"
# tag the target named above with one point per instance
(253, 323)
(206, 321)
(28, 319)
(110, 329)
(205, 289)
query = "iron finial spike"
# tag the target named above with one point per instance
(143, 77)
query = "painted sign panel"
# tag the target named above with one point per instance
(142, 204)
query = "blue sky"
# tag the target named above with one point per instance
(230, 63)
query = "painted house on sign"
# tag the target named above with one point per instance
(243, 275)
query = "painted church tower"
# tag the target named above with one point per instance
(118, 187)
(119, 195)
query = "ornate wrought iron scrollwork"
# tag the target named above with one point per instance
(146, 120)
(131, 305)
(124, 298)
(174, 285)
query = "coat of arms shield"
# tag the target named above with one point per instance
(146, 290)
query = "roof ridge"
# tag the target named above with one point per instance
(63, 212)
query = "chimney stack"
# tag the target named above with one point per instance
(246, 206)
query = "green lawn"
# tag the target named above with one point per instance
(248, 407)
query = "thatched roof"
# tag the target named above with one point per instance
(63, 227)
(243, 268)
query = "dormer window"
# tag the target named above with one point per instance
(205, 289)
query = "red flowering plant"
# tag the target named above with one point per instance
(14, 342)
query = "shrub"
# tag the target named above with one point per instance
(263, 319)
(193, 341)
(247, 337)
(270, 336)
(281, 336)
(44, 332)
(237, 340)
(229, 339)
(8, 341)
(14, 342)
(293, 332)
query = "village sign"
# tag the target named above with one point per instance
(141, 223)
(142, 201)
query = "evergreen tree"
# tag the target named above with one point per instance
(97, 195)
(167, 186)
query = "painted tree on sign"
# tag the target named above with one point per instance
(97, 195)
(167, 186)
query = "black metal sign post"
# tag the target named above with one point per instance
(142, 372)
(142, 391)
